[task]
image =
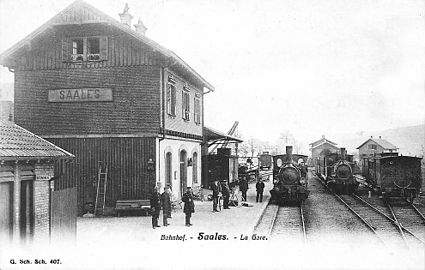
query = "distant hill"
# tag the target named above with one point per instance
(410, 140)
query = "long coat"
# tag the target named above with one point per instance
(260, 186)
(166, 203)
(225, 189)
(243, 185)
(216, 190)
(155, 203)
(189, 205)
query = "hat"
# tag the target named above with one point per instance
(189, 187)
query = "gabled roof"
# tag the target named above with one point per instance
(321, 141)
(17, 143)
(325, 142)
(381, 142)
(100, 17)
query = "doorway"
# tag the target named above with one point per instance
(183, 172)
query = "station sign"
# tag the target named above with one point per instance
(80, 95)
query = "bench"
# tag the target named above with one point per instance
(132, 205)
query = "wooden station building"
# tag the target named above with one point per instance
(114, 98)
(26, 175)
(322, 146)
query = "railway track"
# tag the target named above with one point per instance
(383, 222)
(282, 222)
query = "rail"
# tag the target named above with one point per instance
(303, 222)
(397, 223)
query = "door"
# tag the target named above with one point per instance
(27, 211)
(183, 172)
(64, 214)
(6, 210)
(168, 170)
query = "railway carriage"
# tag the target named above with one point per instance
(289, 178)
(393, 175)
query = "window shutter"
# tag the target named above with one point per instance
(65, 50)
(104, 48)
(173, 101)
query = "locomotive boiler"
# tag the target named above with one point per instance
(393, 175)
(341, 178)
(289, 178)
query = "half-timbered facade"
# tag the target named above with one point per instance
(113, 97)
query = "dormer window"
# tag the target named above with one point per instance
(84, 49)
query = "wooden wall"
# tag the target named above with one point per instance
(126, 159)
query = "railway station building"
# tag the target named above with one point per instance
(116, 99)
(321, 146)
(26, 183)
(374, 146)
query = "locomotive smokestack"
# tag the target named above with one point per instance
(343, 153)
(289, 153)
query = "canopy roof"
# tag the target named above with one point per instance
(17, 143)
(212, 135)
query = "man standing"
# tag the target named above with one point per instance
(155, 207)
(166, 205)
(243, 186)
(189, 205)
(226, 194)
(260, 189)
(216, 188)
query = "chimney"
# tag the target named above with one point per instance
(379, 137)
(125, 16)
(323, 136)
(289, 154)
(371, 137)
(140, 27)
(343, 153)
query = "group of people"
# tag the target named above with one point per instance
(219, 190)
(164, 201)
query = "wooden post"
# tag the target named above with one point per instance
(16, 203)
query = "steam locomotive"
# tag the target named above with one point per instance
(289, 178)
(337, 171)
(395, 176)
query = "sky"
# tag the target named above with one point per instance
(310, 67)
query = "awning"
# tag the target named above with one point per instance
(213, 136)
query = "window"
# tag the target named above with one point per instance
(197, 110)
(372, 146)
(185, 105)
(171, 100)
(195, 168)
(77, 49)
(93, 49)
(85, 49)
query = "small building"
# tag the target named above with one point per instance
(373, 146)
(321, 146)
(26, 175)
(116, 99)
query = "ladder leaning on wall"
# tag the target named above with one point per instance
(102, 179)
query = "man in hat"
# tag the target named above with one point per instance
(260, 189)
(226, 194)
(189, 205)
(166, 205)
(216, 188)
(155, 202)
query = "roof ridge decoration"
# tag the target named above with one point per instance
(101, 17)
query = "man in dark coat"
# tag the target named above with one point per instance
(189, 205)
(243, 186)
(226, 194)
(260, 189)
(216, 188)
(155, 207)
(166, 205)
